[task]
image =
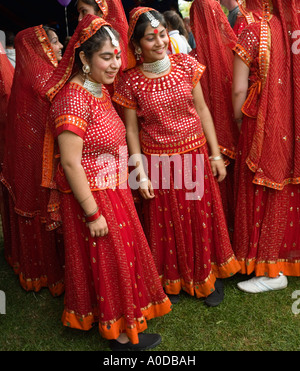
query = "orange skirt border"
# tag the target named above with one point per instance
(270, 269)
(205, 288)
(113, 330)
(36, 284)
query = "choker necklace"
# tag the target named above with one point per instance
(157, 67)
(94, 88)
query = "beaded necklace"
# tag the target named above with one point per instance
(94, 88)
(157, 67)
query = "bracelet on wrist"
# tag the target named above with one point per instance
(216, 158)
(143, 180)
(93, 216)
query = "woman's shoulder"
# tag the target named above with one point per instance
(184, 60)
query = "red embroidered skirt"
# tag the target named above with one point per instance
(35, 254)
(267, 221)
(111, 280)
(189, 238)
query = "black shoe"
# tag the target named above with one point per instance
(146, 341)
(174, 299)
(217, 296)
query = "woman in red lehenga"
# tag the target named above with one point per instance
(186, 231)
(267, 238)
(251, 11)
(110, 276)
(214, 43)
(6, 79)
(34, 246)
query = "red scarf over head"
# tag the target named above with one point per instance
(27, 112)
(117, 18)
(133, 18)
(6, 79)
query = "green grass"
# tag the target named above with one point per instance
(243, 322)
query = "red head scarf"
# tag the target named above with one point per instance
(117, 18)
(6, 79)
(86, 28)
(275, 154)
(103, 7)
(27, 112)
(133, 18)
(214, 42)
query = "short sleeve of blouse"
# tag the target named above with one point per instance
(247, 46)
(194, 68)
(69, 111)
(123, 94)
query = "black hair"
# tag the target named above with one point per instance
(142, 24)
(94, 44)
(93, 4)
(47, 29)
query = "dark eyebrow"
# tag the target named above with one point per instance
(108, 53)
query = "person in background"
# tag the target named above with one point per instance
(215, 40)
(10, 47)
(6, 79)
(233, 8)
(191, 38)
(250, 11)
(54, 41)
(110, 276)
(167, 119)
(177, 32)
(265, 96)
(33, 246)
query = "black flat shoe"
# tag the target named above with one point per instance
(174, 299)
(146, 341)
(217, 296)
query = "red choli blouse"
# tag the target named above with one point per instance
(165, 106)
(104, 154)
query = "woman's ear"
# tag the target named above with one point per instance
(83, 58)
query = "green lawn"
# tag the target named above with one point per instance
(243, 322)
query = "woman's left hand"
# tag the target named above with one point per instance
(218, 169)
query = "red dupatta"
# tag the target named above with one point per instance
(215, 40)
(117, 18)
(6, 79)
(251, 11)
(27, 112)
(274, 156)
(133, 18)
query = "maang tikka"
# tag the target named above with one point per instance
(114, 41)
(153, 21)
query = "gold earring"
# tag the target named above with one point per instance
(86, 69)
(138, 52)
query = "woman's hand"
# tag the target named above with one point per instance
(218, 169)
(146, 189)
(99, 227)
